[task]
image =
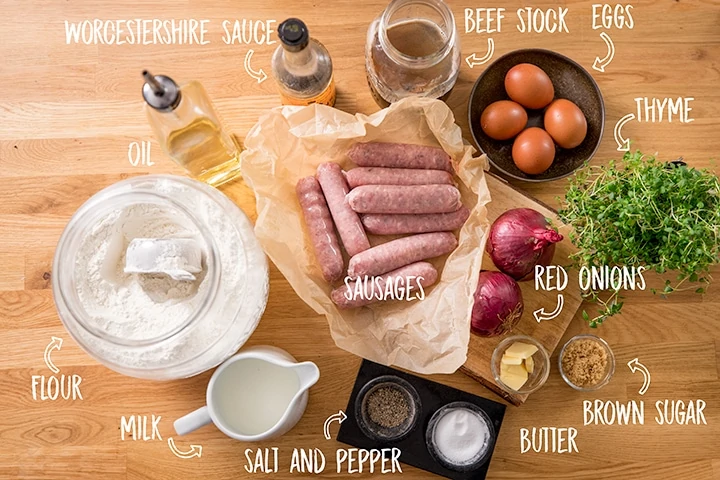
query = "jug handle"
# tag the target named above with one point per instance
(192, 421)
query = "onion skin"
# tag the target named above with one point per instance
(498, 304)
(545, 259)
(520, 239)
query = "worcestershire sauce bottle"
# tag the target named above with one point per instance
(302, 67)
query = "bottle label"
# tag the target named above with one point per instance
(326, 97)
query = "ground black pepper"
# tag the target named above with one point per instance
(387, 407)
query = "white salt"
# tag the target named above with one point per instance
(461, 436)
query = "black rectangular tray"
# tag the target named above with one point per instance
(413, 449)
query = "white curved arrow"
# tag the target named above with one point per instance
(473, 61)
(635, 365)
(622, 143)
(541, 315)
(55, 344)
(599, 63)
(195, 450)
(339, 417)
(260, 76)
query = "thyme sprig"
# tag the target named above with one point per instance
(644, 212)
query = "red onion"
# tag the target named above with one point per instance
(520, 239)
(498, 304)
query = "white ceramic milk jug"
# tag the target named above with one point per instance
(258, 394)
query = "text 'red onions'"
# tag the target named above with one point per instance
(520, 239)
(498, 304)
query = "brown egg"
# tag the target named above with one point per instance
(533, 151)
(529, 86)
(503, 120)
(565, 123)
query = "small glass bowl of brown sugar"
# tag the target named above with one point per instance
(586, 363)
(387, 408)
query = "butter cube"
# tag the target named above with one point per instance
(521, 350)
(514, 376)
(510, 360)
(529, 364)
(516, 370)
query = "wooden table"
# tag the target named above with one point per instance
(69, 112)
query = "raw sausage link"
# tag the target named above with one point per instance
(333, 184)
(396, 176)
(320, 226)
(403, 251)
(424, 272)
(404, 199)
(399, 155)
(380, 224)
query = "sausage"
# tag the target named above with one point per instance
(335, 188)
(403, 251)
(380, 224)
(404, 199)
(424, 272)
(320, 226)
(399, 155)
(396, 176)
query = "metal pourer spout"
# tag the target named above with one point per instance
(160, 92)
(156, 86)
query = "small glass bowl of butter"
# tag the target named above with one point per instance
(520, 364)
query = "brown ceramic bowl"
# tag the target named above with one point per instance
(570, 80)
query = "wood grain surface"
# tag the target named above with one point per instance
(68, 113)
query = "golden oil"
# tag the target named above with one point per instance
(205, 151)
(190, 131)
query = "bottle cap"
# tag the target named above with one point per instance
(160, 92)
(293, 34)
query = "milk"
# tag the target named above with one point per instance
(258, 394)
(252, 395)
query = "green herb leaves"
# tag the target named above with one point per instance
(645, 212)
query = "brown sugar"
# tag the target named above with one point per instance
(585, 362)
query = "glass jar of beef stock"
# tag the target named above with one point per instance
(412, 49)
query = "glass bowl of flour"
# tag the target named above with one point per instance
(158, 325)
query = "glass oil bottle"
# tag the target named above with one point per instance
(189, 130)
(302, 67)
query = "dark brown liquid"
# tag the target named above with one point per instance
(416, 39)
(419, 38)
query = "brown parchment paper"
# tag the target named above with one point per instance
(288, 143)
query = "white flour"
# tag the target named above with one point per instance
(128, 312)
(135, 306)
